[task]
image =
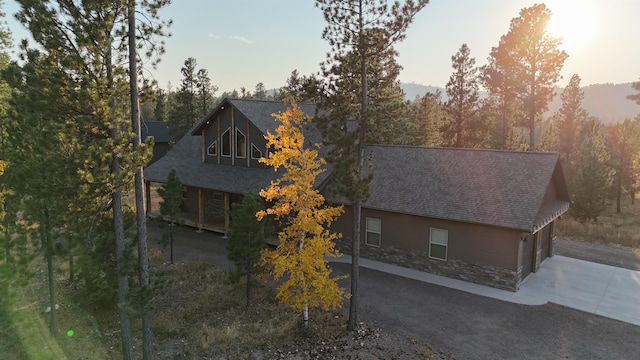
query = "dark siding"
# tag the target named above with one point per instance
(226, 123)
(210, 135)
(256, 137)
(526, 255)
(545, 239)
(159, 150)
(190, 204)
(475, 244)
(551, 194)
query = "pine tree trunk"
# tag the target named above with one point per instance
(141, 216)
(357, 203)
(52, 297)
(355, 266)
(123, 280)
(618, 191)
(48, 254)
(118, 231)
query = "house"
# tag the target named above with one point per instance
(217, 161)
(161, 138)
(484, 216)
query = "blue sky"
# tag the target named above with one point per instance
(243, 42)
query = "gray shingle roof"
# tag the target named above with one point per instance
(157, 129)
(492, 187)
(186, 156)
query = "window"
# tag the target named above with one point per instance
(185, 192)
(373, 232)
(438, 244)
(241, 144)
(213, 150)
(255, 152)
(226, 143)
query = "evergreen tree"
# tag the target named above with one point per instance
(359, 33)
(206, 90)
(160, 110)
(527, 62)
(170, 207)
(305, 239)
(462, 128)
(185, 111)
(591, 173)
(624, 145)
(247, 238)
(86, 41)
(429, 117)
(261, 92)
(300, 88)
(569, 118)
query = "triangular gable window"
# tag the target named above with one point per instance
(255, 152)
(241, 144)
(213, 149)
(226, 143)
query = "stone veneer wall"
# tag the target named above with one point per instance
(480, 274)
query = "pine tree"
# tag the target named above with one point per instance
(170, 207)
(206, 90)
(624, 145)
(462, 129)
(304, 241)
(429, 116)
(359, 33)
(87, 40)
(526, 65)
(185, 111)
(569, 118)
(592, 175)
(247, 238)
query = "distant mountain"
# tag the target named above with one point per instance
(607, 102)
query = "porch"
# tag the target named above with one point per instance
(203, 209)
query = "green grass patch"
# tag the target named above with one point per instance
(24, 334)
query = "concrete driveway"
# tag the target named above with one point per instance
(599, 289)
(586, 286)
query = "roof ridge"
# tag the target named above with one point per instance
(464, 149)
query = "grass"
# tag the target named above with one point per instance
(612, 229)
(201, 310)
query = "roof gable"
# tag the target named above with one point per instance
(185, 157)
(492, 187)
(259, 112)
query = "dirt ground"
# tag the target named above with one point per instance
(406, 319)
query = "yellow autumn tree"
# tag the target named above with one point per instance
(305, 240)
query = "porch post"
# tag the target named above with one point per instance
(200, 210)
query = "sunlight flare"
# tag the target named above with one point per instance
(575, 21)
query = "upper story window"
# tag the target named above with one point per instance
(226, 143)
(213, 149)
(241, 144)
(256, 154)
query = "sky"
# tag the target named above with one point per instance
(244, 42)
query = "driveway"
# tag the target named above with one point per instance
(599, 289)
(468, 325)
